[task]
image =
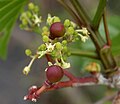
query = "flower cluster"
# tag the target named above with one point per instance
(30, 18)
(56, 37)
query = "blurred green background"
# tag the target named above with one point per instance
(14, 85)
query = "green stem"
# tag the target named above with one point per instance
(100, 38)
(95, 39)
(103, 53)
(107, 59)
(82, 14)
(78, 52)
(66, 6)
(98, 15)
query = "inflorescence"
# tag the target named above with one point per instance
(56, 36)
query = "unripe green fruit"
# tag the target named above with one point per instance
(54, 73)
(57, 30)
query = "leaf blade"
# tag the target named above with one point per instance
(10, 10)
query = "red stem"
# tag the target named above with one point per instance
(106, 29)
(71, 83)
(49, 58)
(69, 75)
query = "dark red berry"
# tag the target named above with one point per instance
(57, 30)
(54, 73)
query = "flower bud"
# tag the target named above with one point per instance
(70, 30)
(45, 38)
(31, 6)
(42, 47)
(67, 23)
(24, 22)
(29, 14)
(58, 46)
(28, 52)
(64, 42)
(56, 19)
(45, 28)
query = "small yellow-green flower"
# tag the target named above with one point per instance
(37, 20)
(85, 31)
(83, 38)
(49, 19)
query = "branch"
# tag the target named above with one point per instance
(98, 15)
(82, 14)
(49, 59)
(106, 29)
(94, 79)
(67, 7)
(74, 83)
(85, 20)
(78, 52)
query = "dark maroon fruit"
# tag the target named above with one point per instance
(54, 73)
(57, 30)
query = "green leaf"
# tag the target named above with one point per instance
(5, 39)
(114, 27)
(9, 11)
(114, 21)
(116, 45)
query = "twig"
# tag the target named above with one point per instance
(90, 54)
(69, 75)
(94, 79)
(74, 83)
(106, 29)
(49, 59)
(79, 9)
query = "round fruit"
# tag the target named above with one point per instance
(54, 73)
(57, 30)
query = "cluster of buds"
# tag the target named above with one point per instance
(56, 37)
(30, 18)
